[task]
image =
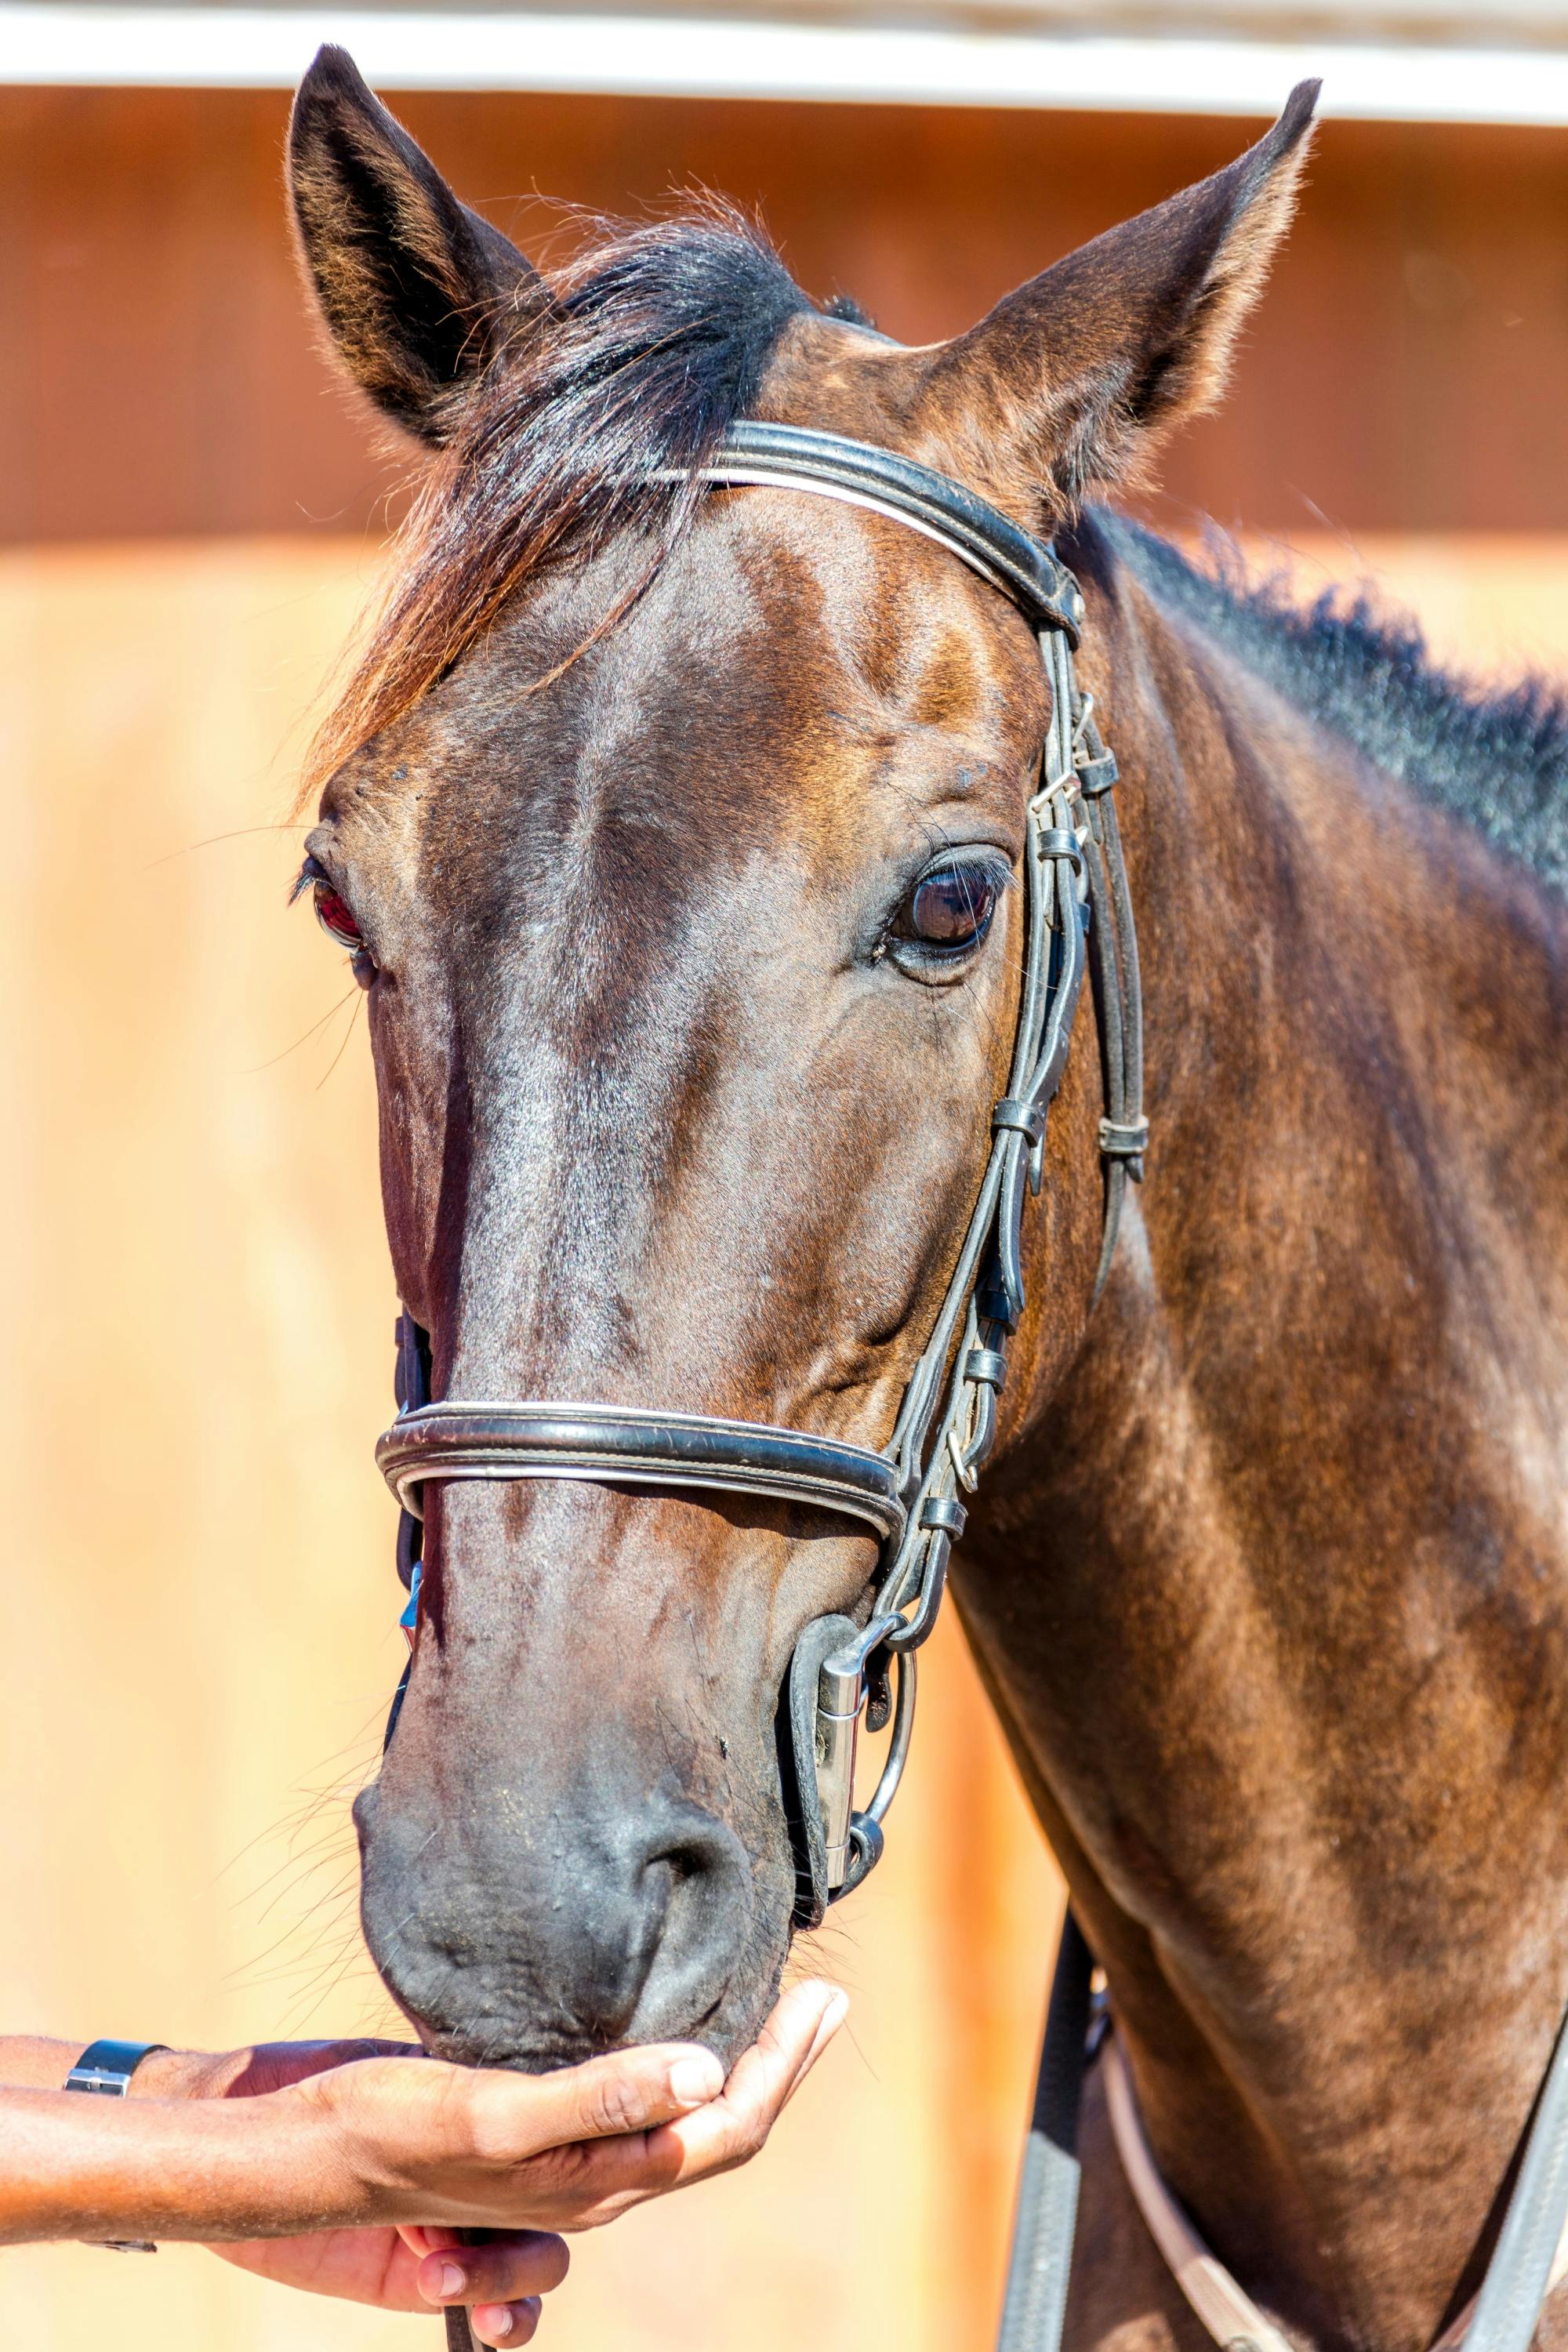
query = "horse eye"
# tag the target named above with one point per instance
(335, 916)
(950, 908)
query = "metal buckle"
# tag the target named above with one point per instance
(840, 1697)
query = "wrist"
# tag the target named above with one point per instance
(179, 2074)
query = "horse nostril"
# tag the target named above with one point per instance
(626, 1924)
(695, 1886)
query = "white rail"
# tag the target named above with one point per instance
(946, 64)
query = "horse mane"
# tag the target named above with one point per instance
(1496, 757)
(655, 341)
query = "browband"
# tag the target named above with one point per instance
(794, 457)
(626, 1445)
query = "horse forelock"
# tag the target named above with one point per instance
(657, 338)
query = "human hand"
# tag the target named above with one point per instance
(403, 2270)
(434, 2144)
(590, 2142)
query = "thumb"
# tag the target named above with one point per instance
(628, 2090)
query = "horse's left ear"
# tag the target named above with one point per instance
(1071, 380)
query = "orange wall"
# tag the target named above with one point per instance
(1406, 372)
(200, 1622)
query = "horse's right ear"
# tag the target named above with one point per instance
(417, 293)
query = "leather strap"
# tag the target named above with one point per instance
(1225, 2307)
(625, 1444)
(1531, 2251)
(107, 2066)
(1041, 2264)
(1529, 2259)
(781, 457)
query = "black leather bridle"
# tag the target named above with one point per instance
(1076, 913)
(910, 1494)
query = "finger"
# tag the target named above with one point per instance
(832, 2018)
(615, 2175)
(630, 2091)
(505, 2324)
(733, 2127)
(503, 2270)
(803, 2021)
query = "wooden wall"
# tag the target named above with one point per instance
(1405, 373)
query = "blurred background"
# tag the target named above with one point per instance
(199, 1631)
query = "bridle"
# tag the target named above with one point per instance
(1076, 911)
(1076, 907)
(911, 1493)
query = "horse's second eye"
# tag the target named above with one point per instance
(335, 916)
(950, 908)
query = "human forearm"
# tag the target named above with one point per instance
(33, 2061)
(155, 2168)
(282, 2142)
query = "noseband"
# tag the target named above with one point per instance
(1075, 904)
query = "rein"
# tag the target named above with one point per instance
(1077, 907)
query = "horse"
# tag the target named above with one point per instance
(673, 830)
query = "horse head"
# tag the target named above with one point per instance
(675, 833)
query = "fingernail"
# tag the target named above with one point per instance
(453, 2279)
(500, 2324)
(694, 2081)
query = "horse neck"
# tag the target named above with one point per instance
(1274, 1602)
